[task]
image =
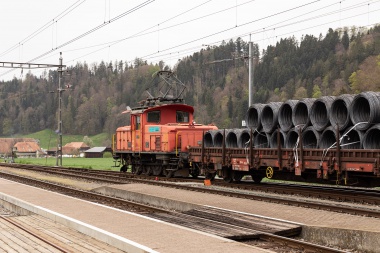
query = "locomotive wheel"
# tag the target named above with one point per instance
(139, 169)
(149, 171)
(124, 168)
(157, 170)
(269, 172)
(170, 173)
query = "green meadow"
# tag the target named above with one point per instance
(77, 162)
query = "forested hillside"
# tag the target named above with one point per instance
(340, 61)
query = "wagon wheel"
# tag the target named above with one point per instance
(195, 173)
(227, 177)
(269, 172)
(237, 177)
(210, 175)
(257, 178)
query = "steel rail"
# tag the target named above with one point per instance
(279, 200)
(85, 195)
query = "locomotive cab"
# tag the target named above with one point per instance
(158, 139)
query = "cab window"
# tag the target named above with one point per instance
(182, 117)
(138, 123)
(154, 116)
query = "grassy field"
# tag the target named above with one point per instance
(48, 138)
(87, 163)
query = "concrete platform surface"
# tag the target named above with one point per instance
(124, 230)
(325, 227)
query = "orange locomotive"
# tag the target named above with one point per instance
(161, 132)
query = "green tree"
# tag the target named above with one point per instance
(87, 140)
(316, 91)
(345, 40)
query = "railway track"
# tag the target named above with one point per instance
(85, 195)
(206, 219)
(370, 197)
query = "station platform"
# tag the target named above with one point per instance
(124, 230)
(319, 226)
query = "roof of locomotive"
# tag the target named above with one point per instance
(182, 107)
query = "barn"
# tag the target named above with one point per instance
(97, 152)
(74, 148)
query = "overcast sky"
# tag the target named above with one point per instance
(95, 30)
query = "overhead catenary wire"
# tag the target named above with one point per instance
(90, 31)
(144, 56)
(44, 27)
(112, 43)
(261, 30)
(97, 27)
(228, 29)
(353, 6)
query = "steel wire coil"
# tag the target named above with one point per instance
(327, 138)
(339, 113)
(352, 139)
(261, 140)
(243, 137)
(365, 107)
(253, 117)
(310, 137)
(209, 138)
(301, 112)
(231, 138)
(218, 138)
(291, 138)
(274, 139)
(371, 139)
(269, 116)
(320, 112)
(285, 115)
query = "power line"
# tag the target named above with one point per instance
(96, 28)
(234, 27)
(90, 31)
(145, 31)
(138, 34)
(44, 27)
(261, 29)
